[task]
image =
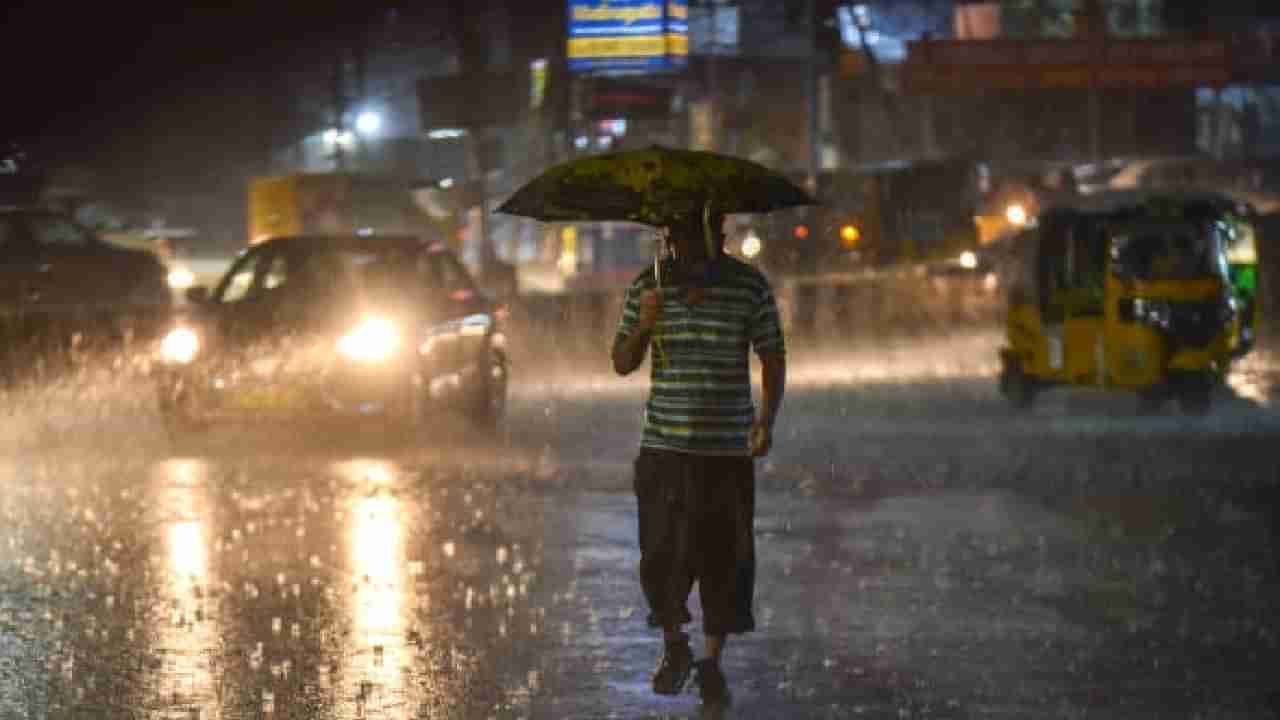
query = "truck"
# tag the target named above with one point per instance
(341, 203)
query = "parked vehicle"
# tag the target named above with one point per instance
(61, 284)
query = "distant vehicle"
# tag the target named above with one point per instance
(357, 326)
(874, 215)
(1149, 292)
(335, 203)
(59, 280)
(1177, 172)
(1250, 183)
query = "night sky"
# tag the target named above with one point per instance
(101, 78)
(82, 73)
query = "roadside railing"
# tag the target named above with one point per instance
(830, 310)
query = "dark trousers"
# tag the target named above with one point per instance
(696, 525)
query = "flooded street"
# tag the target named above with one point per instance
(923, 552)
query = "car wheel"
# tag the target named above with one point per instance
(489, 402)
(1151, 400)
(180, 410)
(412, 415)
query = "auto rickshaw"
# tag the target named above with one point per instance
(1152, 293)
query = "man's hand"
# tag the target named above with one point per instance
(761, 438)
(650, 311)
(629, 352)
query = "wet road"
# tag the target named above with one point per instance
(923, 553)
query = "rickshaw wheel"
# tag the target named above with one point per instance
(1196, 399)
(1151, 400)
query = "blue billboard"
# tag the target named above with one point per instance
(617, 37)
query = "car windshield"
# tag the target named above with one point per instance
(362, 272)
(1165, 252)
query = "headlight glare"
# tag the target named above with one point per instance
(374, 340)
(181, 278)
(180, 346)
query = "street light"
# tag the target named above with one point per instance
(368, 123)
(336, 137)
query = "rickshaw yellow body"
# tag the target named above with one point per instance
(1103, 351)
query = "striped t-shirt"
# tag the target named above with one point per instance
(700, 389)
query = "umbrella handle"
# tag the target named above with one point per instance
(658, 353)
(706, 230)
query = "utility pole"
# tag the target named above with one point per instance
(473, 53)
(1092, 26)
(339, 110)
(811, 93)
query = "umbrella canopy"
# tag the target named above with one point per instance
(656, 186)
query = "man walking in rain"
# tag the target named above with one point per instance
(695, 474)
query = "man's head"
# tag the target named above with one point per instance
(693, 242)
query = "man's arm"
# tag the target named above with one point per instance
(766, 337)
(773, 380)
(629, 349)
(773, 385)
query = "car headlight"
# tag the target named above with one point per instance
(374, 340)
(181, 278)
(180, 346)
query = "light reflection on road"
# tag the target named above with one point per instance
(454, 581)
(377, 657)
(185, 639)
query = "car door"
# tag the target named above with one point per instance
(457, 323)
(238, 305)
